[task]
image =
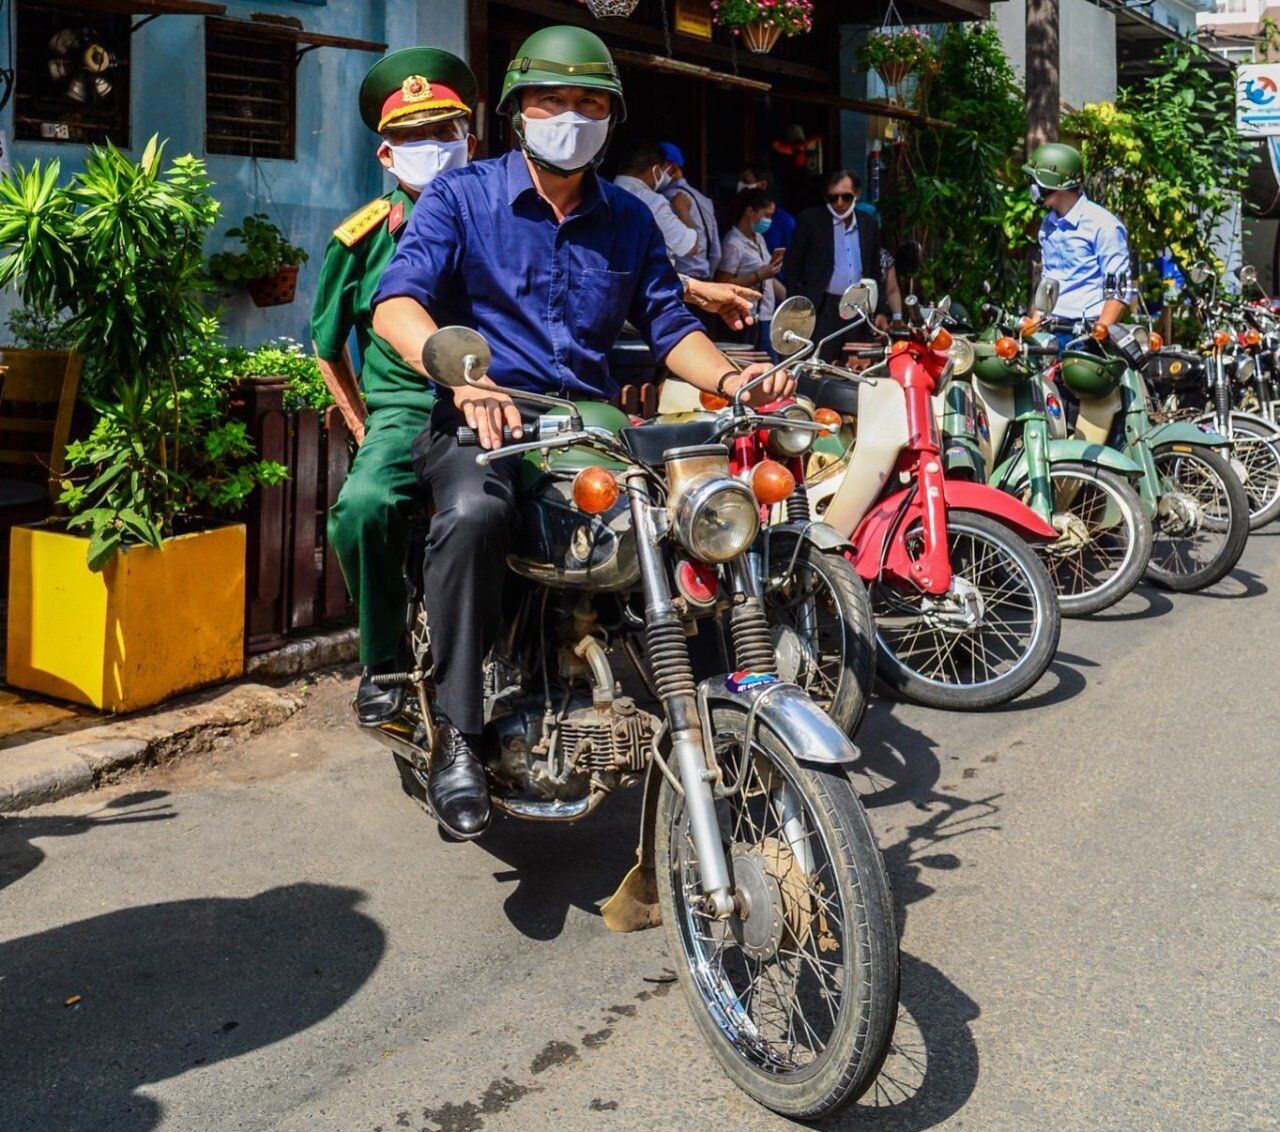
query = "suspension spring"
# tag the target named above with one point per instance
(752, 642)
(669, 656)
(798, 505)
(1222, 400)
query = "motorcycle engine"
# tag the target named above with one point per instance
(584, 746)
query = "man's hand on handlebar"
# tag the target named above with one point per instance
(774, 388)
(487, 409)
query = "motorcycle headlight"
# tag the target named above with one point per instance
(962, 353)
(792, 441)
(716, 518)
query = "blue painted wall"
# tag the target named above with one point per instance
(335, 170)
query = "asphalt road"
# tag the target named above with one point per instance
(1088, 883)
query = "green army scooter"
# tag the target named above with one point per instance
(1003, 424)
(1198, 506)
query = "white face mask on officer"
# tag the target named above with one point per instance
(568, 141)
(416, 164)
(661, 178)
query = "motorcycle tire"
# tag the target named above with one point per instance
(1261, 458)
(966, 530)
(1229, 518)
(1076, 578)
(823, 885)
(839, 678)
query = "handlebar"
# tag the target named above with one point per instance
(469, 438)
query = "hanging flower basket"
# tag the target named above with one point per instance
(896, 53)
(761, 37)
(615, 9)
(274, 290)
(761, 23)
(894, 74)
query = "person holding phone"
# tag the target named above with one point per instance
(745, 258)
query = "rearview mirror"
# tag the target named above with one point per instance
(859, 299)
(1198, 272)
(1248, 276)
(455, 356)
(1046, 295)
(792, 327)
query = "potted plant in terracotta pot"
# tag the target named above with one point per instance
(896, 53)
(140, 592)
(761, 23)
(266, 266)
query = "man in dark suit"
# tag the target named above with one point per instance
(833, 246)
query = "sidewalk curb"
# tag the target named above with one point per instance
(63, 765)
(306, 654)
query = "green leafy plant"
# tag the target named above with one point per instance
(287, 358)
(119, 249)
(264, 250)
(1166, 158)
(956, 189)
(908, 49)
(792, 17)
(39, 330)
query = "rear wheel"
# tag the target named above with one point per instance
(1202, 518)
(823, 634)
(1257, 458)
(797, 992)
(986, 641)
(1106, 538)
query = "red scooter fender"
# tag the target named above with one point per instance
(886, 522)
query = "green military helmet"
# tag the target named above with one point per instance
(1056, 165)
(990, 368)
(415, 86)
(562, 56)
(1089, 376)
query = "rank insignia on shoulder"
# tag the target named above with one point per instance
(360, 223)
(396, 217)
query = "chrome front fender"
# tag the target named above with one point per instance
(787, 711)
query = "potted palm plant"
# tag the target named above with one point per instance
(139, 593)
(761, 23)
(266, 266)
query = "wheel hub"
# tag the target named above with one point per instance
(1241, 470)
(1179, 514)
(793, 657)
(959, 610)
(1073, 535)
(757, 925)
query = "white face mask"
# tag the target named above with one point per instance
(417, 164)
(568, 141)
(662, 180)
(842, 215)
(1036, 193)
(744, 185)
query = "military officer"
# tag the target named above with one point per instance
(419, 101)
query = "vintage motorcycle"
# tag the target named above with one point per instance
(1198, 505)
(966, 616)
(1204, 386)
(755, 852)
(1004, 424)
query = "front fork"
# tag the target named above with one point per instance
(1221, 398)
(1035, 446)
(1137, 423)
(673, 679)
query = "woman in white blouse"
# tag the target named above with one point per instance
(745, 259)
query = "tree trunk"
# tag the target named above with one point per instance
(1043, 87)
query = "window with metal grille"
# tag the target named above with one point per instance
(250, 92)
(72, 81)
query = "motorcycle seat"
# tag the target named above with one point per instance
(649, 442)
(830, 393)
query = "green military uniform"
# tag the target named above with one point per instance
(370, 523)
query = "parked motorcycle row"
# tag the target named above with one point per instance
(701, 603)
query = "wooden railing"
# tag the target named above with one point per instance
(292, 579)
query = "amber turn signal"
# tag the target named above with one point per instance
(1029, 325)
(942, 339)
(1221, 339)
(772, 482)
(1101, 333)
(712, 402)
(829, 418)
(1252, 338)
(1155, 342)
(595, 490)
(1006, 347)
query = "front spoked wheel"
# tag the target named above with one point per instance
(1202, 519)
(797, 992)
(1105, 542)
(1257, 458)
(983, 643)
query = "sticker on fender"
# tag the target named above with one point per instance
(741, 681)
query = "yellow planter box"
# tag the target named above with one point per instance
(153, 623)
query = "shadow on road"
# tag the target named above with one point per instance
(165, 988)
(1238, 584)
(19, 855)
(899, 762)
(1157, 605)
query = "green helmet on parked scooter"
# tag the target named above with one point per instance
(1056, 165)
(1088, 375)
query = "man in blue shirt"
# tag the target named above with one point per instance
(547, 260)
(1082, 245)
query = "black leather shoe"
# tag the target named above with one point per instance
(456, 785)
(377, 703)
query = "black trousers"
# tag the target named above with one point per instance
(829, 321)
(465, 561)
